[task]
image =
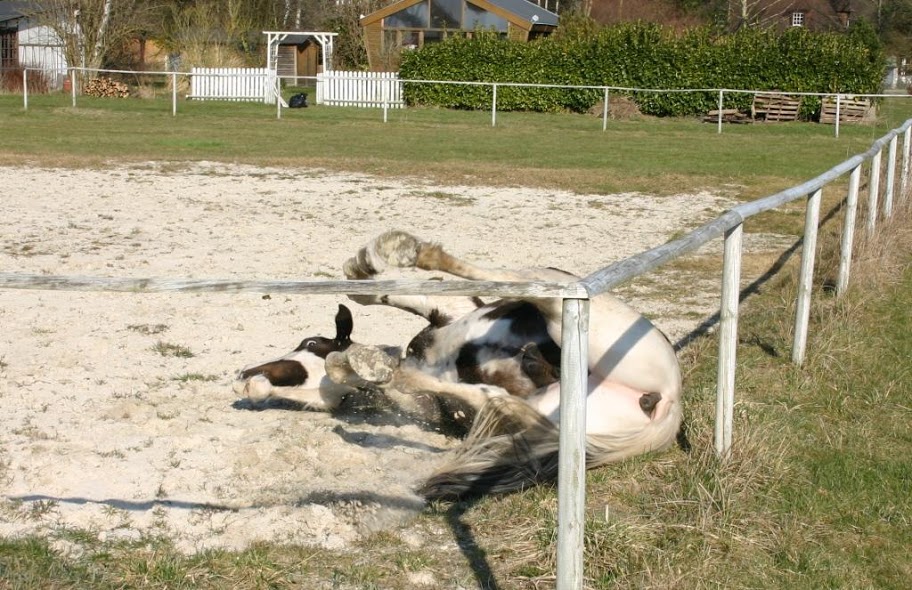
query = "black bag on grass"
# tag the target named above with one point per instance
(298, 101)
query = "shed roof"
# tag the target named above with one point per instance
(15, 10)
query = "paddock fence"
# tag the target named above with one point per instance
(386, 91)
(242, 84)
(884, 161)
(360, 89)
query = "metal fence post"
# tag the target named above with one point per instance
(25, 88)
(494, 106)
(721, 98)
(571, 478)
(73, 86)
(838, 105)
(174, 95)
(848, 232)
(891, 180)
(805, 283)
(728, 339)
(873, 191)
(605, 111)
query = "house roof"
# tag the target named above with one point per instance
(15, 10)
(519, 11)
(527, 10)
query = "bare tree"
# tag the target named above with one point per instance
(92, 29)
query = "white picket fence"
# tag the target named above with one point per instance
(360, 89)
(239, 84)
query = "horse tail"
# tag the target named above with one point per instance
(658, 434)
(509, 447)
(512, 447)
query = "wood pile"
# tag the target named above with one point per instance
(106, 88)
(775, 107)
(851, 110)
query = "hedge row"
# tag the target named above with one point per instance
(642, 55)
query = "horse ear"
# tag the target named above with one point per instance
(344, 324)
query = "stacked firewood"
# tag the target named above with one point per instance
(107, 88)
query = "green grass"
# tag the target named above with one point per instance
(554, 150)
(169, 349)
(817, 491)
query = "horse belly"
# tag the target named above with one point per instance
(611, 408)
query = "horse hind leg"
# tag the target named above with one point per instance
(398, 249)
(402, 250)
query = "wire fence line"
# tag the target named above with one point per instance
(388, 100)
(884, 199)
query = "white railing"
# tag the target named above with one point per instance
(360, 89)
(239, 84)
(576, 296)
(385, 90)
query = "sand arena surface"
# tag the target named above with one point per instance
(118, 415)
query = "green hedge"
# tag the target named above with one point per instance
(642, 55)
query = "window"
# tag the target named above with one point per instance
(432, 21)
(413, 17)
(797, 19)
(479, 18)
(8, 48)
(446, 14)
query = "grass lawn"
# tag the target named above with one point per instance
(817, 491)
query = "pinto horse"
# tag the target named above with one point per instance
(497, 365)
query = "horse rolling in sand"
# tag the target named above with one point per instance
(492, 367)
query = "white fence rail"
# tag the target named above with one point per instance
(240, 84)
(360, 89)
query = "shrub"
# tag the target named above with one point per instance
(642, 55)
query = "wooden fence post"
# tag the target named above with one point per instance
(728, 339)
(571, 475)
(873, 192)
(848, 232)
(891, 179)
(805, 284)
(907, 153)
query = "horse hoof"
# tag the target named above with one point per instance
(372, 364)
(256, 389)
(398, 248)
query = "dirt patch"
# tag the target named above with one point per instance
(119, 419)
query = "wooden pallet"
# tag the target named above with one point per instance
(775, 107)
(851, 110)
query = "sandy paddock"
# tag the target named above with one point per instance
(118, 415)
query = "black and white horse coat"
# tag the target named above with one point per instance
(493, 368)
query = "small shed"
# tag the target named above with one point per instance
(26, 43)
(295, 54)
(410, 24)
